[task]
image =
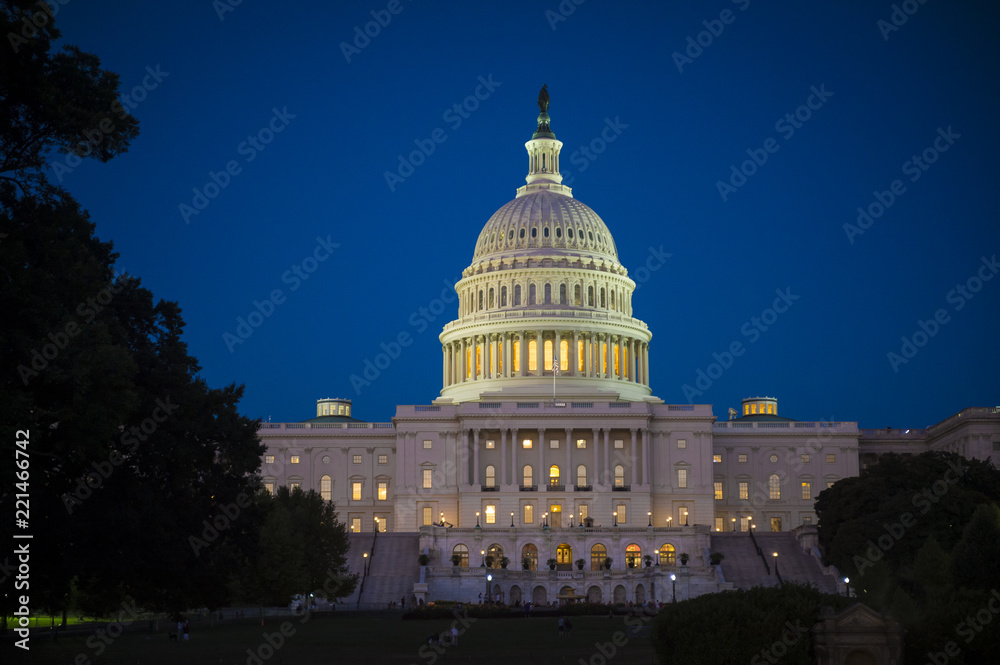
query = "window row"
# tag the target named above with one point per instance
(493, 556)
(557, 232)
(356, 459)
(554, 475)
(773, 489)
(616, 298)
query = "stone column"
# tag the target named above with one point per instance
(645, 456)
(503, 457)
(475, 457)
(595, 478)
(515, 472)
(574, 353)
(571, 475)
(541, 455)
(523, 361)
(607, 456)
(461, 362)
(465, 457)
(540, 352)
(634, 474)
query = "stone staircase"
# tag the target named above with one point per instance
(393, 569)
(742, 566)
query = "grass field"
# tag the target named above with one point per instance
(351, 639)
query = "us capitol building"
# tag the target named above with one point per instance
(547, 443)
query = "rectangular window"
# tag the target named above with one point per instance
(553, 444)
(428, 475)
(581, 443)
(491, 444)
(529, 514)
(427, 444)
(294, 486)
(742, 458)
(622, 511)
(684, 516)
(682, 443)
(807, 519)
(383, 491)
(806, 490)
(295, 459)
(619, 443)
(526, 443)
(682, 478)
(428, 516)
(744, 490)
(355, 525)
(718, 491)
(717, 459)
(381, 521)
(830, 459)
(383, 459)
(491, 514)
(268, 459)
(805, 459)
(829, 484)
(269, 487)
(356, 491)
(326, 488)
(718, 524)
(745, 523)
(584, 512)
(357, 459)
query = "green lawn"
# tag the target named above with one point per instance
(349, 639)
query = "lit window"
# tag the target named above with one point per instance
(491, 475)
(461, 550)
(805, 459)
(526, 443)
(294, 486)
(532, 355)
(581, 443)
(428, 474)
(295, 459)
(619, 475)
(667, 555)
(584, 512)
(356, 491)
(355, 525)
(829, 483)
(774, 486)
(682, 478)
(830, 459)
(718, 491)
(742, 459)
(744, 490)
(619, 443)
(553, 475)
(719, 523)
(581, 475)
(268, 459)
(682, 443)
(490, 445)
(622, 513)
(529, 514)
(528, 475)
(269, 487)
(807, 519)
(357, 459)
(326, 487)
(806, 490)
(547, 352)
(598, 555)
(745, 523)
(383, 491)
(428, 516)
(427, 444)
(553, 444)
(683, 516)
(383, 459)
(717, 459)
(491, 514)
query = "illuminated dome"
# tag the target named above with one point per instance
(545, 308)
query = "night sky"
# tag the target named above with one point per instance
(652, 124)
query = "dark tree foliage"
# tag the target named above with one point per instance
(130, 452)
(738, 627)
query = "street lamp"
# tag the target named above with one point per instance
(489, 578)
(364, 566)
(734, 524)
(615, 515)
(776, 567)
(442, 518)
(847, 582)
(482, 553)
(477, 520)
(572, 521)
(545, 520)
(650, 514)
(512, 518)
(673, 584)
(668, 521)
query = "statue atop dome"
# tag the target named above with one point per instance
(543, 99)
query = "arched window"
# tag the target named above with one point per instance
(480, 298)
(517, 295)
(516, 368)
(528, 476)
(774, 486)
(619, 475)
(529, 557)
(602, 298)
(547, 352)
(598, 555)
(562, 294)
(503, 296)
(531, 294)
(667, 555)
(521, 234)
(496, 552)
(545, 232)
(564, 554)
(491, 475)
(533, 355)
(548, 294)
(569, 233)
(510, 235)
(564, 355)
(491, 298)
(613, 299)
(554, 474)
(463, 553)
(326, 487)
(558, 232)
(581, 475)
(534, 232)
(633, 556)
(590, 296)
(576, 295)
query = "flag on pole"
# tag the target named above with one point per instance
(555, 365)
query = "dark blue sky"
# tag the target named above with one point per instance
(344, 124)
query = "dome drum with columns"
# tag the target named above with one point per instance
(545, 298)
